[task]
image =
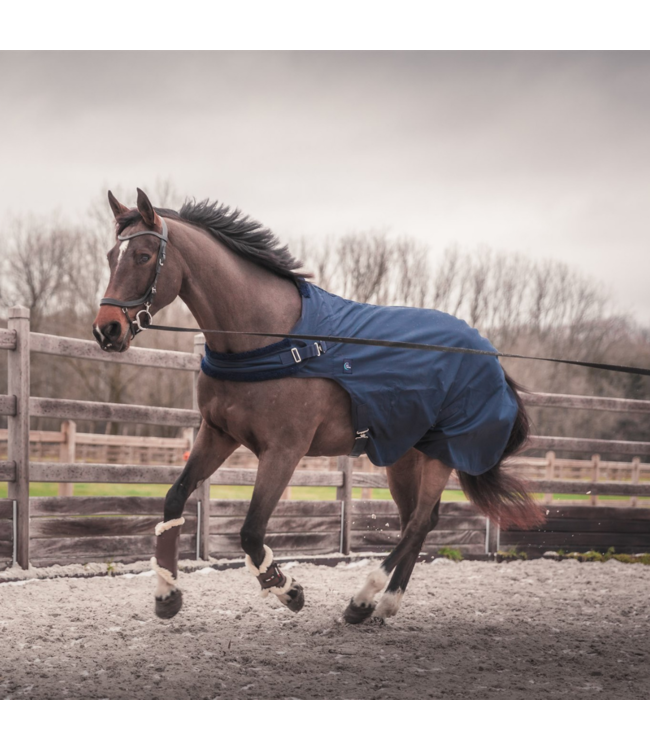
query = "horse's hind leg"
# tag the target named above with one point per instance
(416, 483)
(392, 598)
(403, 481)
(433, 476)
(210, 450)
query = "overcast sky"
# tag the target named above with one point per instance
(542, 154)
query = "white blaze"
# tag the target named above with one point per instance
(99, 333)
(124, 246)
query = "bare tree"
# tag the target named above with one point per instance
(36, 266)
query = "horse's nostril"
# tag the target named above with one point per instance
(112, 331)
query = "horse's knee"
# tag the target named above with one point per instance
(252, 541)
(174, 504)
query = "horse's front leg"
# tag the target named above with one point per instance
(273, 474)
(211, 448)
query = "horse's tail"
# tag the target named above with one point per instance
(500, 495)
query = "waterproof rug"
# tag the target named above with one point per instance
(457, 408)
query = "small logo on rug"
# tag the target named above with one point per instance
(347, 365)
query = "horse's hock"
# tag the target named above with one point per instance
(49, 530)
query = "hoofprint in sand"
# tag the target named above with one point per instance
(538, 629)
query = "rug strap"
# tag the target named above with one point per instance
(361, 417)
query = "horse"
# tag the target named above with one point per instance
(288, 399)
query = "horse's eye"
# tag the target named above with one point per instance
(143, 258)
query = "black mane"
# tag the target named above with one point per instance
(239, 233)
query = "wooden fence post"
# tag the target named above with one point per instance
(202, 492)
(549, 474)
(67, 453)
(344, 494)
(492, 537)
(595, 472)
(18, 429)
(636, 476)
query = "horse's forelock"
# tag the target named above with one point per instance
(133, 217)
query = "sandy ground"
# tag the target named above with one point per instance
(539, 629)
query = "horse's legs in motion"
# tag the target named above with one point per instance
(416, 483)
(211, 448)
(273, 474)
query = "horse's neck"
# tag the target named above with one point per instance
(226, 292)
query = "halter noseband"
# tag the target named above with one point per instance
(136, 324)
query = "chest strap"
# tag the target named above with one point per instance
(268, 363)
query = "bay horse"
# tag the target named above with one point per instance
(290, 399)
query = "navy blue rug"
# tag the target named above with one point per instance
(457, 408)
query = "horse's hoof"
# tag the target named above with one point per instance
(169, 606)
(356, 613)
(296, 596)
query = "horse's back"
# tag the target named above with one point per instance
(454, 407)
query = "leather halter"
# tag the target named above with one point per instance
(137, 324)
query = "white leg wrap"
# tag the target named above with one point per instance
(373, 585)
(389, 604)
(266, 562)
(165, 581)
(164, 525)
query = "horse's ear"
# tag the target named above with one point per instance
(116, 207)
(149, 216)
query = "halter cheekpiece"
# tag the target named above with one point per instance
(137, 324)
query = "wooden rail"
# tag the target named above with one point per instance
(68, 347)
(587, 445)
(82, 528)
(594, 403)
(584, 528)
(7, 471)
(8, 406)
(92, 410)
(99, 438)
(8, 338)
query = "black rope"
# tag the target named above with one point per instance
(408, 345)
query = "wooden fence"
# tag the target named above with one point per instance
(68, 445)
(67, 529)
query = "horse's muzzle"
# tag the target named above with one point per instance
(111, 333)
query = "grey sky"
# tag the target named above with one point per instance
(543, 154)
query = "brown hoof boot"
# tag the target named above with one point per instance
(169, 606)
(296, 596)
(356, 613)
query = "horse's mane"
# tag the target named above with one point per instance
(238, 232)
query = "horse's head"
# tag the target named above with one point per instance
(137, 287)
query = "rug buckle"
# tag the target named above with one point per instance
(296, 355)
